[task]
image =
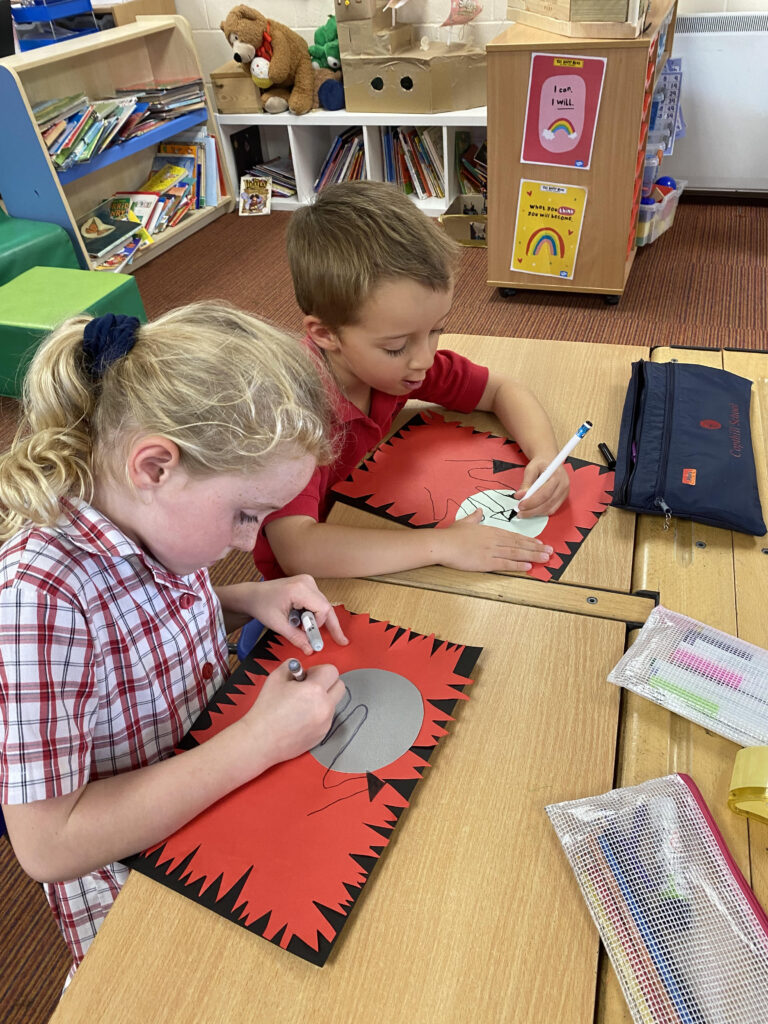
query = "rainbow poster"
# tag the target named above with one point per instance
(548, 228)
(561, 113)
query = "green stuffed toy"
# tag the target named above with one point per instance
(324, 52)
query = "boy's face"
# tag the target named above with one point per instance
(393, 342)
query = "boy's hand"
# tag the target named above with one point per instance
(290, 717)
(470, 545)
(549, 497)
(274, 600)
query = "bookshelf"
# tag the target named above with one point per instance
(614, 179)
(150, 48)
(307, 139)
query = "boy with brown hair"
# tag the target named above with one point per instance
(374, 277)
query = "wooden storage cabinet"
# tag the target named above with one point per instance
(613, 180)
(307, 139)
(153, 48)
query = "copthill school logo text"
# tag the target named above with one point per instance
(734, 429)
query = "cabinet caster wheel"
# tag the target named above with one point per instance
(507, 293)
(611, 300)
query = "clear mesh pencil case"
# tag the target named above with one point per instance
(684, 932)
(709, 677)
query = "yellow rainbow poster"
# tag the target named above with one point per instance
(548, 228)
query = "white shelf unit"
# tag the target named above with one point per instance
(307, 139)
(153, 48)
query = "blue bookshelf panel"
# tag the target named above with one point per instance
(114, 153)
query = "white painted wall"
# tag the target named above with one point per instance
(304, 16)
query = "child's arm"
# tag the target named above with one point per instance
(271, 602)
(524, 419)
(108, 819)
(325, 549)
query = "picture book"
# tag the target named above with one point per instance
(101, 233)
(255, 196)
(287, 855)
(163, 177)
(139, 203)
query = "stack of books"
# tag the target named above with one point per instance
(75, 128)
(413, 160)
(280, 172)
(471, 164)
(185, 176)
(345, 160)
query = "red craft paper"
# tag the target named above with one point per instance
(564, 93)
(286, 854)
(424, 472)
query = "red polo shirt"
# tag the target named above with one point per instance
(452, 382)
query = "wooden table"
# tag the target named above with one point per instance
(473, 912)
(573, 382)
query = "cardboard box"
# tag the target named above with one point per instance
(416, 81)
(358, 10)
(374, 36)
(466, 220)
(550, 15)
(234, 91)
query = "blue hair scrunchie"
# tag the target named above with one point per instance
(107, 338)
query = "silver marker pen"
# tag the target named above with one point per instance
(297, 670)
(313, 633)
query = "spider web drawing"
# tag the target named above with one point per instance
(425, 471)
(286, 855)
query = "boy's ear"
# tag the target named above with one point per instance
(321, 334)
(151, 460)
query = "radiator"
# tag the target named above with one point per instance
(725, 102)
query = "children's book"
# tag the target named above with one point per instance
(255, 196)
(163, 177)
(139, 203)
(101, 233)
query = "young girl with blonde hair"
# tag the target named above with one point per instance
(145, 453)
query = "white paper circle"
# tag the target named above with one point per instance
(498, 507)
(375, 722)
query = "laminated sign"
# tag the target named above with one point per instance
(561, 113)
(548, 228)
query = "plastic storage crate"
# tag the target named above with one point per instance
(654, 220)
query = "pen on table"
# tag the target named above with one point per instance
(559, 459)
(610, 458)
(297, 670)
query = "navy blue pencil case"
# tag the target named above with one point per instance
(685, 447)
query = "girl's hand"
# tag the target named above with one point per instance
(470, 545)
(274, 599)
(290, 717)
(549, 497)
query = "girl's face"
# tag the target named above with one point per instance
(192, 522)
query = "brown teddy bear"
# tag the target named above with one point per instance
(251, 35)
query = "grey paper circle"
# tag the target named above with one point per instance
(375, 722)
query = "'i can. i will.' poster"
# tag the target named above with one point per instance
(548, 228)
(561, 112)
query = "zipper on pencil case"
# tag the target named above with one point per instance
(630, 458)
(666, 438)
(733, 867)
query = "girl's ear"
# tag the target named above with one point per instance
(322, 335)
(151, 461)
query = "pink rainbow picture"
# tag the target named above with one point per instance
(545, 239)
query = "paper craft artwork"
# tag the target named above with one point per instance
(286, 855)
(433, 472)
(561, 112)
(548, 228)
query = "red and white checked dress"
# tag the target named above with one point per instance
(106, 658)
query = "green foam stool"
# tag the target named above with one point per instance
(33, 303)
(31, 243)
